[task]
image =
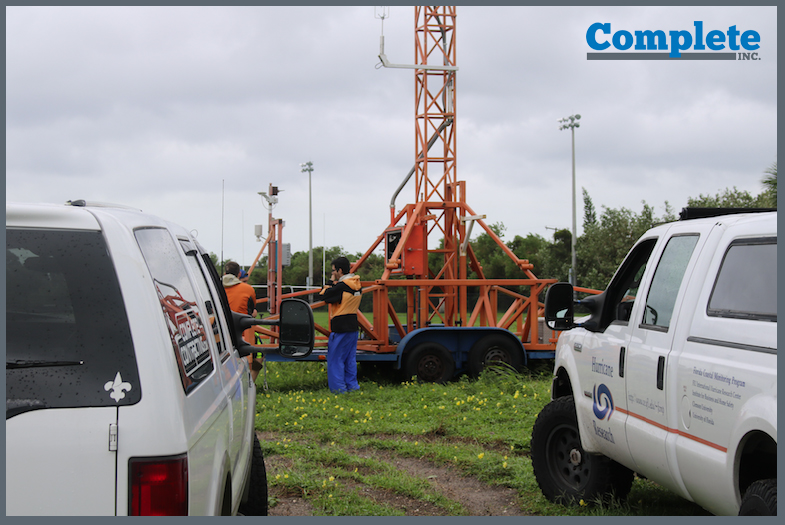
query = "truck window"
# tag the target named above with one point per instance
(179, 305)
(746, 284)
(623, 288)
(667, 280)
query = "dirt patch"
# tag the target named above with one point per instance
(289, 506)
(409, 506)
(477, 497)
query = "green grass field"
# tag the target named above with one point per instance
(480, 427)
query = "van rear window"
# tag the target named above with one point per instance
(68, 343)
(746, 285)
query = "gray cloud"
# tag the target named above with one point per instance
(169, 108)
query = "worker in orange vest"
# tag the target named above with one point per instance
(242, 299)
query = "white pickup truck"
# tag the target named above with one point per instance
(673, 375)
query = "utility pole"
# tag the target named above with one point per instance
(571, 123)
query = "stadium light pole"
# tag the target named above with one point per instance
(308, 167)
(571, 123)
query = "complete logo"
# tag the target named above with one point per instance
(730, 44)
(602, 401)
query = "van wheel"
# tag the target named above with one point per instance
(566, 473)
(431, 363)
(760, 499)
(257, 496)
(494, 348)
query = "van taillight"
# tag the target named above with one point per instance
(159, 486)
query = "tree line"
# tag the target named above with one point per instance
(606, 238)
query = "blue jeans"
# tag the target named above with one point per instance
(342, 362)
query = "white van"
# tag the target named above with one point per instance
(674, 373)
(127, 391)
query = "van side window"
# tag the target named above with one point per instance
(210, 304)
(667, 281)
(179, 305)
(746, 284)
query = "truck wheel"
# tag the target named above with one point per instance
(431, 363)
(566, 473)
(760, 499)
(257, 496)
(494, 348)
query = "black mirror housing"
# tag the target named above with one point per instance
(560, 307)
(240, 323)
(296, 330)
(297, 337)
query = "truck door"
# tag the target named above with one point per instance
(602, 359)
(727, 367)
(647, 359)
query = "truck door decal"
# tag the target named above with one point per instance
(676, 431)
(602, 402)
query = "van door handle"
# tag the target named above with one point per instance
(621, 361)
(660, 372)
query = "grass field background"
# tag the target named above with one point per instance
(481, 427)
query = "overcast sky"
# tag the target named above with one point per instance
(161, 108)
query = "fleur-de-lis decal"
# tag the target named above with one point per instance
(117, 387)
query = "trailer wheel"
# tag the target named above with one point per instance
(431, 363)
(494, 348)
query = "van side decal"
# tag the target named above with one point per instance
(118, 387)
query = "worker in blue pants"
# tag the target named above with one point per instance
(343, 296)
(342, 362)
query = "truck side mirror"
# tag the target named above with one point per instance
(296, 337)
(559, 307)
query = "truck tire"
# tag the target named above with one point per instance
(760, 499)
(431, 363)
(566, 473)
(494, 348)
(257, 496)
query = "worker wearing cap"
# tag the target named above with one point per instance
(242, 299)
(343, 296)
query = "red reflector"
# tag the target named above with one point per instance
(159, 486)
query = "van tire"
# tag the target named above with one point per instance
(431, 363)
(760, 499)
(566, 473)
(494, 348)
(256, 505)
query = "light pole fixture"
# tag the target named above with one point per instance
(571, 123)
(308, 167)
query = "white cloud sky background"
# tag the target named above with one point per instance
(154, 107)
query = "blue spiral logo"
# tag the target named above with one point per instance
(603, 401)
